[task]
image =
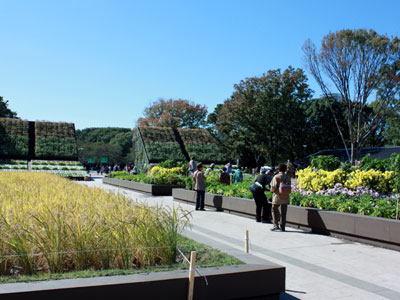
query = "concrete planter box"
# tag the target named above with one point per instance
(229, 282)
(372, 230)
(153, 189)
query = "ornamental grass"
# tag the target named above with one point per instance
(50, 224)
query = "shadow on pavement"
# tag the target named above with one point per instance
(286, 296)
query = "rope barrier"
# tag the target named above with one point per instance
(196, 269)
(89, 251)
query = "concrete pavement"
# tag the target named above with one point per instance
(317, 266)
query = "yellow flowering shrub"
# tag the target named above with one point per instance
(312, 180)
(166, 171)
(380, 181)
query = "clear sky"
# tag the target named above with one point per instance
(100, 63)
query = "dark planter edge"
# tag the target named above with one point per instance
(375, 231)
(225, 282)
(147, 188)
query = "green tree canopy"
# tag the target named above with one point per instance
(5, 112)
(174, 113)
(263, 118)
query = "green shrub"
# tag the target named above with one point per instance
(325, 162)
(172, 163)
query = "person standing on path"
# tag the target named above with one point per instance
(280, 186)
(192, 166)
(263, 208)
(199, 187)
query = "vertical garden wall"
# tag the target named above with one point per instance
(157, 144)
(202, 145)
(140, 155)
(55, 140)
(14, 138)
(37, 140)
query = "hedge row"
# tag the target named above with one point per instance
(52, 140)
(162, 144)
(50, 129)
(159, 134)
(157, 151)
(53, 147)
(14, 139)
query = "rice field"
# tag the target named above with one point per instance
(50, 224)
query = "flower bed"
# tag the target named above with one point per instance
(157, 175)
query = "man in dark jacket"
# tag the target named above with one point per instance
(224, 177)
(263, 208)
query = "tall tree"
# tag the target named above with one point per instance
(5, 112)
(174, 113)
(321, 128)
(263, 119)
(354, 62)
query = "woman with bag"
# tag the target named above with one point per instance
(281, 187)
(258, 188)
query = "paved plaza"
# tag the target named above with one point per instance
(317, 266)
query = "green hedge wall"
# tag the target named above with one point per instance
(159, 134)
(53, 147)
(54, 140)
(207, 153)
(202, 145)
(14, 139)
(141, 161)
(160, 151)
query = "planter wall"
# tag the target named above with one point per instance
(154, 189)
(377, 231)
(229, 282)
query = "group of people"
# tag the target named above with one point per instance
(279, 184)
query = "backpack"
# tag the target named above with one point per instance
(285, 188)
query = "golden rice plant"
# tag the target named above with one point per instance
(50, 224)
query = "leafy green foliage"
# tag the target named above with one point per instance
(5, 112)
(208, 153)
(325, 162)
(113, 143)
(363, 205)
(173, 179)
(160, 151)
(263, 119)
(390, 164)
(201, 144)
(55, 147)
(14, 139)
(174, 113)
(172, 163)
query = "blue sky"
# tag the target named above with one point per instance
(100, 63)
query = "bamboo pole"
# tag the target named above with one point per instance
(246, 241)
(191, 274)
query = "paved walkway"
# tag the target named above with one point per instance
(317, 266)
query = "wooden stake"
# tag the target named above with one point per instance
(191, 274)
(246, 241)
(397, 209)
